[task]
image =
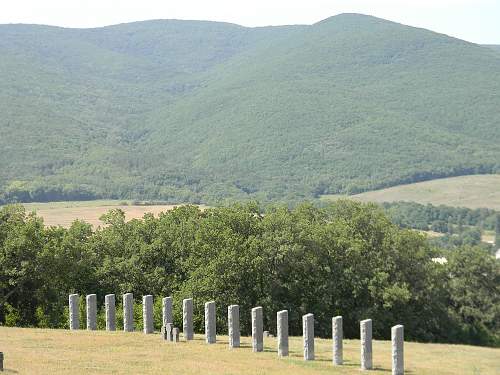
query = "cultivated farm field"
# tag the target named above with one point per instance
(45, 351)
(64, 213)
(475, 191)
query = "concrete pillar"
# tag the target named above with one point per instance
(187, 318)
(282, 332)
(210, 323)
(366, 344)
(257, 329)
(167, 310)
(337, 336)
(128, 312)
(109, 302)
(147, 314)
(91, 312)
(74, 312)
(397, 338)
(308, 336)
(233, 322)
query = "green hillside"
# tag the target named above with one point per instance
(495, 47)
(203, 111)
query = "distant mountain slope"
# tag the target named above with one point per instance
(191, 110)
(495, 47)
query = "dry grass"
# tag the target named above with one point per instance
(64, 213)
(430, 233)
(40, 351)
(466, 191)
(488, 236)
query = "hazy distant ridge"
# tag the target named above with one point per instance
(193, 110)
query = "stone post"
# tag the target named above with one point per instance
(337, 336)
(210, 323)
(74, 312)
(175, 334)
(257, 329)
(187, 318)
(397, 338)
(282, 332)
(147, 314)
(167, 310)
(308, 336)
(366, 344)
(169, 329)
(233, 322)
(91, 312)
(109, 302)
(128, 312)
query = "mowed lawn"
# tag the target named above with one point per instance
(65, 213)
(43, 351)
(477, 191)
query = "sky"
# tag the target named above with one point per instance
(476, 21)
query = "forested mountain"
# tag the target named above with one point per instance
(203, 111)
(495, 47)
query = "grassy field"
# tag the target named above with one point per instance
(41, 351)
(64, 213)
(466, 191)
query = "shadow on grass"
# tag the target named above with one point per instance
(9, 371)
(382, 369)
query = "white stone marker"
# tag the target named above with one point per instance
(397, 338)
(91, 312)
(282, 332)
(167, 310)
(210, 323)
(109, 302)
(337, 336)
(308, 336)
(169, 329)
(187, 318)
(128, 312)
(233, 322)
(257, 329)
(366, 344)
(147, 314)
(74, 312)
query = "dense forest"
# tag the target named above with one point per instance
(344, 259)
(191, 111)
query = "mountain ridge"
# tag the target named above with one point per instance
(204, 111)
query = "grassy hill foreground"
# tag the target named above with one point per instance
(44, 351)
(476, 191)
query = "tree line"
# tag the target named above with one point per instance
(344, 259)
(460, 225)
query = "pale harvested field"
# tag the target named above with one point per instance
(64, 213)
(488, 236)
(41, 351)
(466, 191)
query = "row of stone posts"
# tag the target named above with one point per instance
(282, 334)
(171, 333)
(110, 306)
